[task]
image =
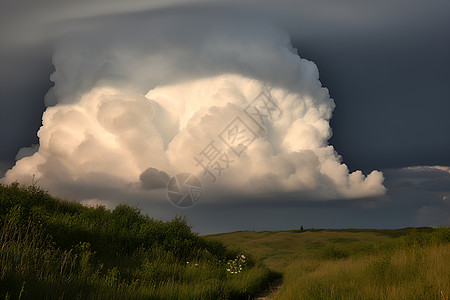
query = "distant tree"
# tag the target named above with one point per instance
(301, 228)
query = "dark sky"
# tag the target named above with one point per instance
(389, 78)
(385, 63)
(396, 113)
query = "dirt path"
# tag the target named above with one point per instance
(271, 291)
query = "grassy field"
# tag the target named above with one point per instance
(54, 249)
(411, 263)
(278, 249)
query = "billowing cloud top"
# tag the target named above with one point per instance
(232, 103)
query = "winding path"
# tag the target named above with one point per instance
(271, 291)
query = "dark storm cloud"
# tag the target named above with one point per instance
(397, 63)
(383, 61)
(402, 206)
(153, 179)
(421, 178)
(386, 64)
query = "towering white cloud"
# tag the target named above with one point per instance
(232, 103)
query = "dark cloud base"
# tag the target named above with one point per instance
(406, 204)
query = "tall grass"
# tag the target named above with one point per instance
(54, 249)
(415, 266)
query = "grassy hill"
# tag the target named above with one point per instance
(55, 249)
(410, 263)
(278, 249)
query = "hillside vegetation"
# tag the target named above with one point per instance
(410, 263)
(55, 249)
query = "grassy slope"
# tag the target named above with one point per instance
(50, 248)
(278, 249)
(353, 263)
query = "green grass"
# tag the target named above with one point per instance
(55, 249)
(409, 263)
(278, 249)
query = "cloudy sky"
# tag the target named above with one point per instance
(289, 113)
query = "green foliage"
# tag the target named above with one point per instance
(51, 248)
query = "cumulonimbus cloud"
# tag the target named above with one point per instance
(232, 103)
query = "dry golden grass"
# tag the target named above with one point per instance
(422, 273)
(355, 263)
